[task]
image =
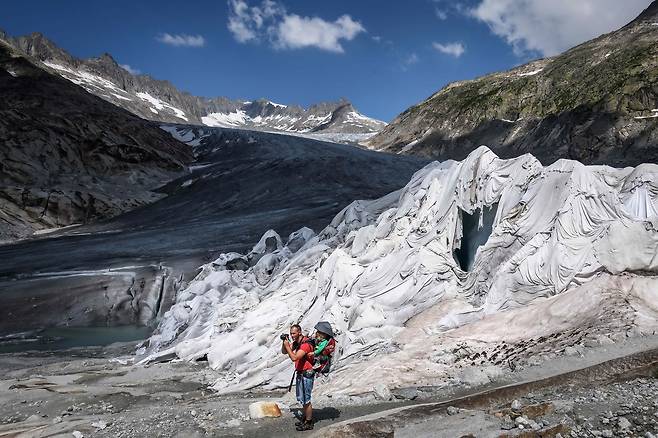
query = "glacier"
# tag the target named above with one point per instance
(571, 252)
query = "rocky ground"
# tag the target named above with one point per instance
(617, 398)
(99, 392)
(45, 394)
(628, 408)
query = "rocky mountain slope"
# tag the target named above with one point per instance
(159, 100)
(596, 103)
(69, 157)
(484, 263)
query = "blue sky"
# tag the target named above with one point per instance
(384, 56)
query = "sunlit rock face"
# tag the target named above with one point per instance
(381, 263)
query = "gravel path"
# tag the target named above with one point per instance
(98, 392)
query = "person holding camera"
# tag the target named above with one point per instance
(300, 352)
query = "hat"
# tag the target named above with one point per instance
(324, 327)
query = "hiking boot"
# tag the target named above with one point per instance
(305, 425)
(300, 420)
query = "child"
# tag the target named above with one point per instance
(324, 349)
(321, 343)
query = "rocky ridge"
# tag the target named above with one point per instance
(596, 103)
(160, 100)
(68, 156)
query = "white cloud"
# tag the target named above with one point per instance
(410, 60)
(441, 14)
(246, 23)
(239, 22)
(270, 21)
(296, 32)
(453, 49)
(550, 27)
(131, 70)
(444, 8)
(182, 40)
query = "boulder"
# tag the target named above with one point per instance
(262, 409)
(382, 392)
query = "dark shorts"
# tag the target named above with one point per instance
(303, 387)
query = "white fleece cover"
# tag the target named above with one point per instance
(388, 263)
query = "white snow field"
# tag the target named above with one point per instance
(570, 262)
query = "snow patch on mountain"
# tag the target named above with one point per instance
(318, 120)
(191, 135)
(277, 104)
(531, 73)
(296, 123)
(98, 85)
(121, 97)
(408, 147)
(463, 245)
(356, 118)
(87, 80)
(160, 105)
(222, 120)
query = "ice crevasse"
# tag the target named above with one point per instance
(381, 262)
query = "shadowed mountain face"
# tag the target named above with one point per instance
(126, 270)
(159, 100)
(596, 103)
(69, 157)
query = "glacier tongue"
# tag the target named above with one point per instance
(383, 263)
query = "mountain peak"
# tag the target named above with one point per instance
(650, 13)
(38, 46)
(345, 105)
(265, 102)
(106, 58)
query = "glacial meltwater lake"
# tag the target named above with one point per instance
(53, 339)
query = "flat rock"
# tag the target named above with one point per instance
(262, 409)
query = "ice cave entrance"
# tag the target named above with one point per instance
(473, 236)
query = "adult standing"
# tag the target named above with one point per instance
(300, 352)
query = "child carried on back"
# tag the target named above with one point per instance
(325, 346)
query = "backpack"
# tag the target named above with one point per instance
(305, 340)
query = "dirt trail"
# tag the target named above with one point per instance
(642, 365)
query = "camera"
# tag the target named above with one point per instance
(284, 337)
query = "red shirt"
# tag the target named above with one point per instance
(304, 364)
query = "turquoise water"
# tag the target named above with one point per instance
(68, 337)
